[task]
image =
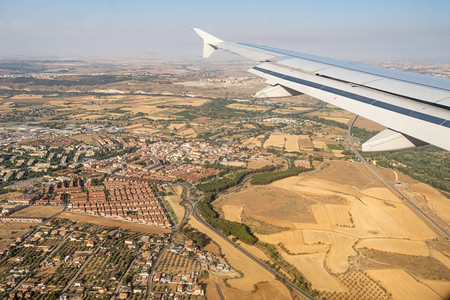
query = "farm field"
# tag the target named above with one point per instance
(265, 290)
(312, 268)
(433, 199)
(327, 224)
(38, 211)
(280, 140)
(253, 141)
(407, 247)
(174, 201)
(232, 212)
(112, 223)
(401, 285)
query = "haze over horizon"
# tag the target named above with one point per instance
(352, 30)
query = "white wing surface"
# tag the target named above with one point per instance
(415, 108)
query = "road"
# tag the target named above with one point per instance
(193, 208)
(438, 228)
(69, 284)
(174, 232)
(219, 291)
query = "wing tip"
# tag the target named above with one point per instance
(210, 42)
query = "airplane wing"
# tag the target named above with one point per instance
(415, 108)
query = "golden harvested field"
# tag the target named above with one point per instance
(376, 219)
(292, 240)
(340, 247)
(258, 202)
(368, 124)
(442, 288)
(338, 153)
(174, 202)
(402, 285)
(337, 119)
(339, 215)
(407, 247)
(232, 212)
(253, 141)
(189, 133)
(441, 257)
(319, 144)
(433, 198)
(334, 113)
(38, 211)
(248, 107)
(251, 126)
(382, 194)
(113, 223)
(253, 273)
(311, 266)
(273, 290)
(176, 126)
(281, 140)
(348, 174)
(255, 251)
(325, 219)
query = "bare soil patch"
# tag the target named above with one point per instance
(113, 223)
(9, 231)
(259, 201)
(348, 173)
(38, 211)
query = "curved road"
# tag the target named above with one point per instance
(438, 228)
(193, 208)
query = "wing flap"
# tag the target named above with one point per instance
(409, 117)
(389, 140)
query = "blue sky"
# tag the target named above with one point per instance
(356, 30)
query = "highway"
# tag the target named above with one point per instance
(438, 228)
(193, 209)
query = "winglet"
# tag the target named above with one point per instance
(210, 42)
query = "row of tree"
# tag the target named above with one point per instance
(266, 178)
(238, 230)
(199, 238)
(221, 184)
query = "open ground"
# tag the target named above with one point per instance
(321, 220)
